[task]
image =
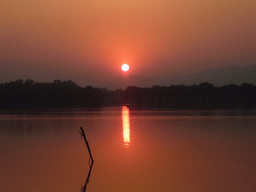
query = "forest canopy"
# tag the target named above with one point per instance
(67, 94)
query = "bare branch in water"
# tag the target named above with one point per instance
(90, 160)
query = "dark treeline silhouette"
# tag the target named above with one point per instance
(59, 94)
(194, 96)
(67, 94)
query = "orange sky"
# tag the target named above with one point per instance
(87, 41)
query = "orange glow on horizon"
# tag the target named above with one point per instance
(56, 40)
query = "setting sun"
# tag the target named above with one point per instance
(125, 67)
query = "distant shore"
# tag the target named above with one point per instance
(28, 94)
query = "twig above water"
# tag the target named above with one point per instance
(81, 131)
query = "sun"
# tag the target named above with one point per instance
(125, 67)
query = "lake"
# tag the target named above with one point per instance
(133, 150)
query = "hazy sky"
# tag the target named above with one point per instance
(88, 41)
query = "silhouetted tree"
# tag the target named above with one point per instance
(60, 94)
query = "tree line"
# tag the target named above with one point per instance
(59, 94)
(194, 96)
(67, 94)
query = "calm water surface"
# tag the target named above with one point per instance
(138, 151)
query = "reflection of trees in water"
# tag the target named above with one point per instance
(90, 160)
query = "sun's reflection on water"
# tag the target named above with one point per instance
(126, 125)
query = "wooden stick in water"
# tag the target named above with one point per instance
(89, 150)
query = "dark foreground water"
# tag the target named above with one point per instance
(133, 151)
